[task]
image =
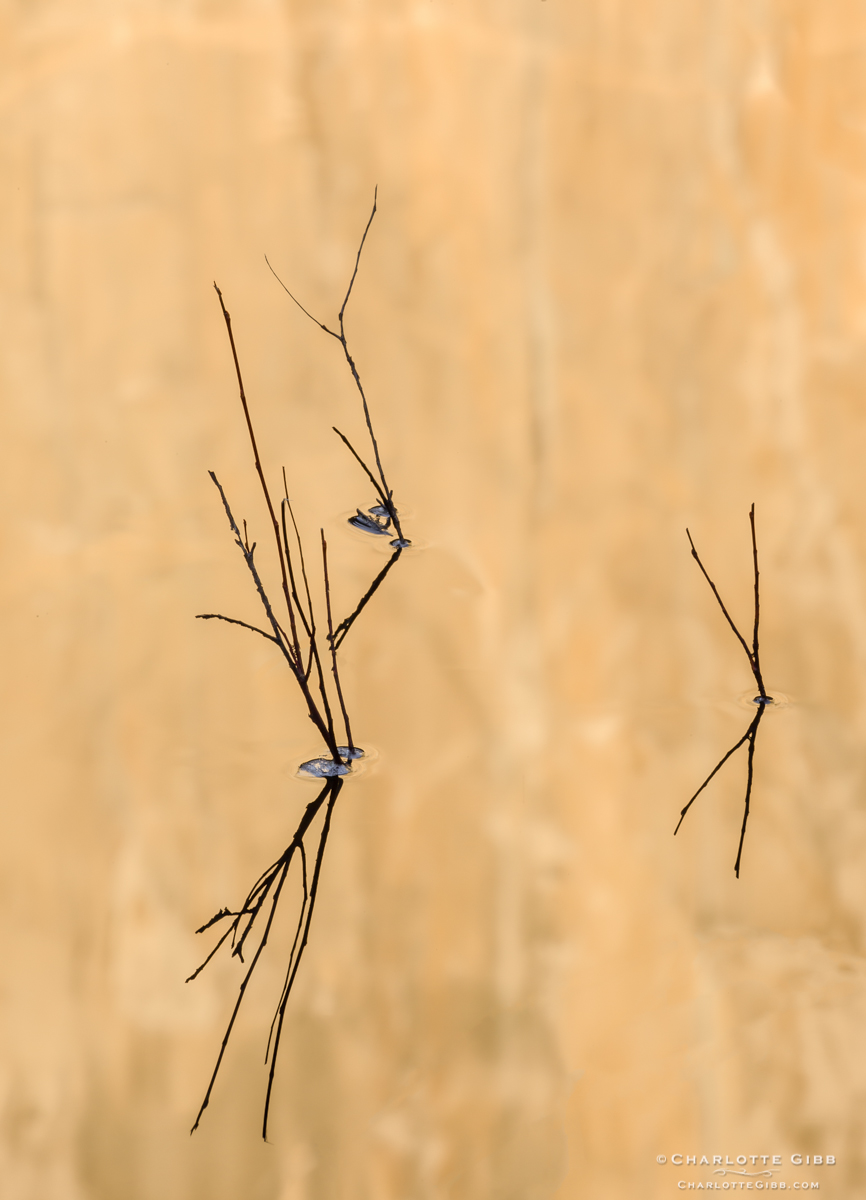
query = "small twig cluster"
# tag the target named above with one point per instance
(386, 513)
(761, 700)
(266, 891)
(296, 636)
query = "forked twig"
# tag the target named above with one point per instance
(761, 700)
(297, 951)
(296, 638)
(274, 877)
(381, 486)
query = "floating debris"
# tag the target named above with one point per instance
(326, 768)
(750, 700)
(374, 523)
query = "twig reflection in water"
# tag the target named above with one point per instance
(299, 647)
(762, 700)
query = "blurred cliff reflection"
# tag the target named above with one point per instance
(614, 289)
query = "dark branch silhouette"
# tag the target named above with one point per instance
(347, 623)
(381, 486)
(334, 667)
(234, 621)
(295, 635)
(761, 700)
(272, 880)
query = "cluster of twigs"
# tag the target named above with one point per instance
(761, 700)
(296, 636)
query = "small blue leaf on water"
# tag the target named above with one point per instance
(370, 524)
(326, 768)
(323, 768)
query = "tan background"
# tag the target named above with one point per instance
(617, 285)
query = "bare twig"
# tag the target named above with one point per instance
(259, 470)
(367, 470)
(762, 699)
(251, 908)
(234, 621)
(334, 667)
(753, 733)
(756, 659)
(381, 485)
(347, 623)
(751, 655)
(292, 972)
(323, 723)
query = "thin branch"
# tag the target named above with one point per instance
(256, 899)
(333, 647)
(285, 505)
(300, 925)
(276, 874)
(358, 256)
(325, 729)
(718, 767)
(310, 627)
(370, 475)
(728, 618)
(260, 471)
(754, 734)
(228, 933)
(335, 785)
(220, 916)
(756, 661)
(234, 621)
(382, 486)
(346, 624)
(239, 1001)
(354, 369)
(762, 699)
(315, 320)
(248, 558)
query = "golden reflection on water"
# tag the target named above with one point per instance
(613, 290)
